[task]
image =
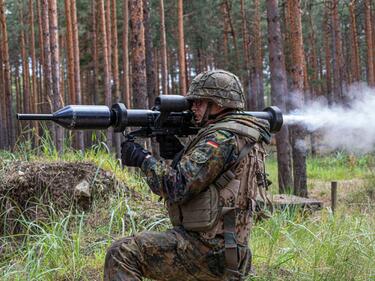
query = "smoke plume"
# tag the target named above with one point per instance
(350, 127)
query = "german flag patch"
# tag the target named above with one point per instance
(213, 144)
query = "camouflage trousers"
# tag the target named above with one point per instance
(172, 255)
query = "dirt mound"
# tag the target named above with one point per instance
(35, 189)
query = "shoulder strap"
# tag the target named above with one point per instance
(228, 175)
(237, 128)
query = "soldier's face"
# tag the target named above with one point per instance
(199, 108)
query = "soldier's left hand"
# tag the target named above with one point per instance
(133, 154)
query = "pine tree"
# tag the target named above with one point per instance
(279, 93)
(125, 46)
(297, 87)
(55, 96)
(181, 49)
(163, 50)
(139, 85)
(369, 42)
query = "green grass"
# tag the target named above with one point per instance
(324, 247)
(288, 246)
(335, 167)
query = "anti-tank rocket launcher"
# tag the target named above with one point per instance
(170, 116)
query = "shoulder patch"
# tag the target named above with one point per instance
(225, 133)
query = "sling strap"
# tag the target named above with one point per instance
(229, 217)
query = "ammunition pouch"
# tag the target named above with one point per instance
(199, 214)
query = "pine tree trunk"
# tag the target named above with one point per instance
(18, 97)
(163, 50)
(107, 74)
(47, 67)
(25, 73)
(6, 77)
(279, 93)
(70, 52)
(77, 70)
(327, 54)
(258, 58)
(115, 70)
(225, 21)
(34, 93)
(41, 58)
(139, 85)
(125, 54)
(338, 58)
(315, 90)
(55, 70)
(245, 46)
(297, 86)
(369, 42)
(151, 90)
(181, 49)
(355, 60)
(2, 84)
(157, 70)
(95, 74)
(25, 67)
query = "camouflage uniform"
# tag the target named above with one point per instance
(179, 254)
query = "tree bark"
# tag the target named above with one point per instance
(6, 78)
(34, 93)
(369, 42)
(338, 58)
(327, 54)
(107, 75)
(246, 55)
(2, 83)
(279, 89)
(355, 60)
(55, 71)
(41, 58)
(139, 85)
(25, 73)
(70, 52)
(225, 45)
(125, 54)
(115, 70)
(258, 59)
(95, 54)
(297, 86)
(181, 49)
(77, 70)
(151, 89)
(47, 67)
(163, 50)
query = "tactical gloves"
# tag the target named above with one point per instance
(169, 146)
(133, 154)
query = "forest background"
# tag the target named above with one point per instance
(55, 53)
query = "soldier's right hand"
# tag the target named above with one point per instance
(169, 146)
(133, 154)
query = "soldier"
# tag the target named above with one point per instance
(210, 191)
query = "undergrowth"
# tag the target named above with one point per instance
(289, 246)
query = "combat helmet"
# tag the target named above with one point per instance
(219, 86)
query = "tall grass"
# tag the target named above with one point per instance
(324, 247)
(288, 246)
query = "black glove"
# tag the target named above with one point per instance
(132, 154)
(169, 146)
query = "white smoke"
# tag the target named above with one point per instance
(350, 127)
